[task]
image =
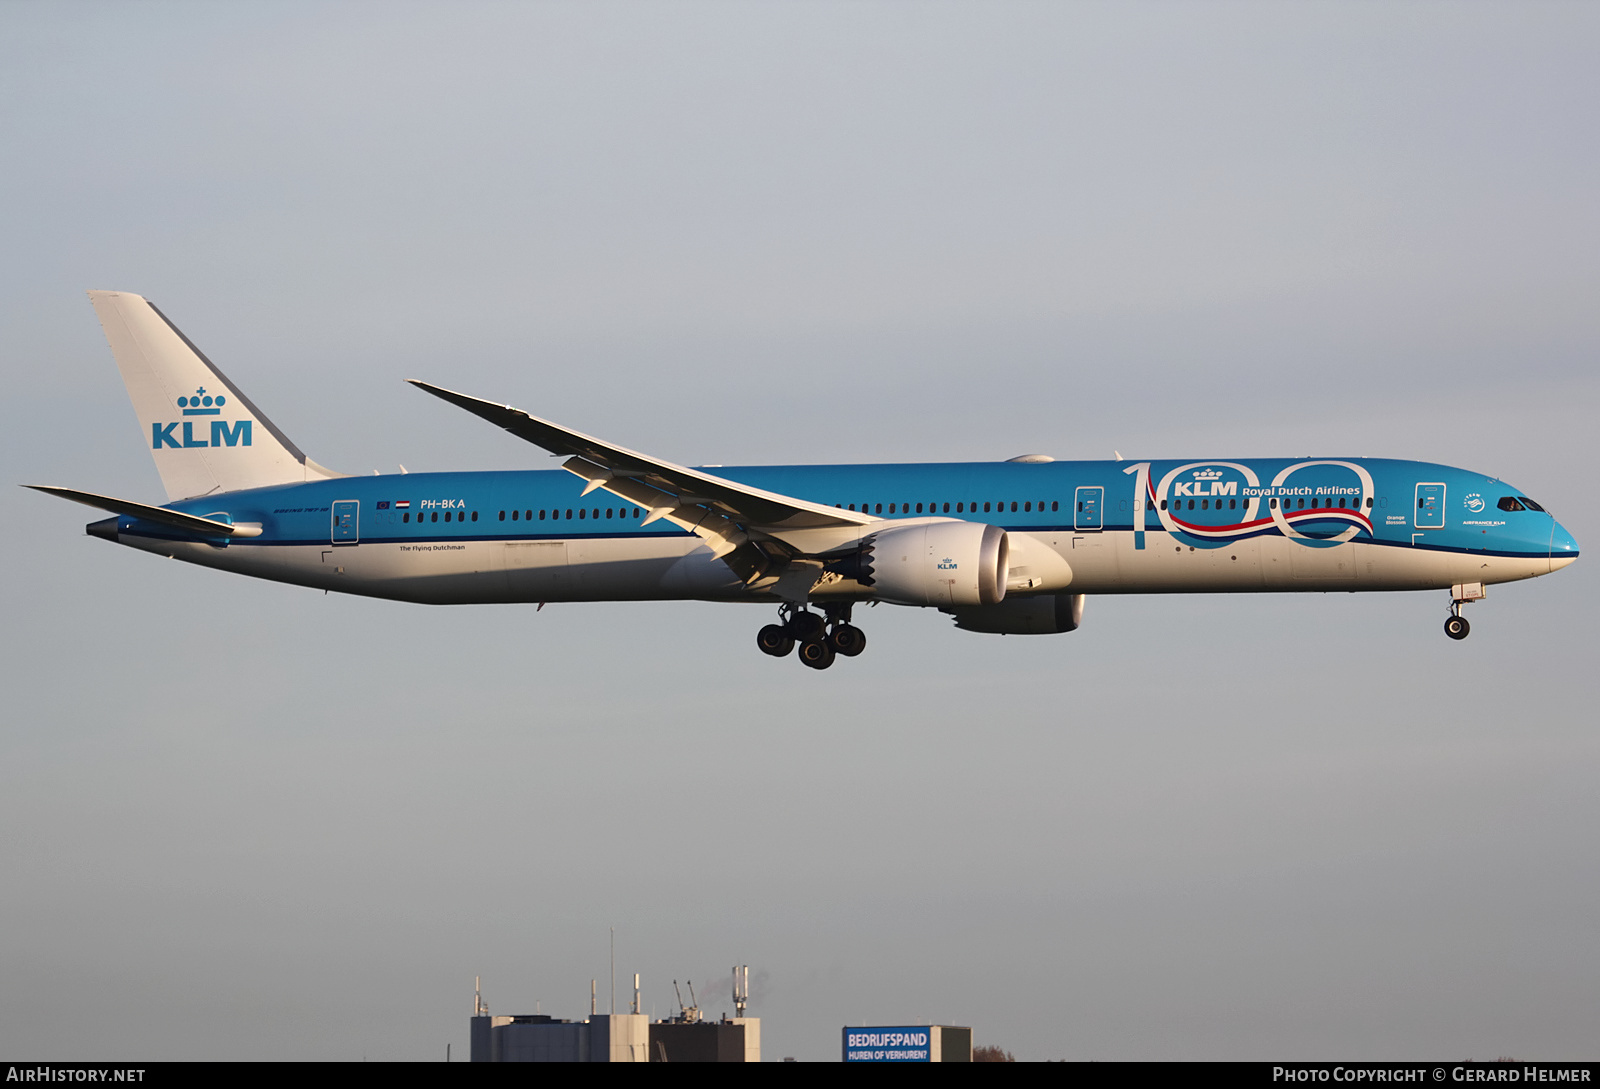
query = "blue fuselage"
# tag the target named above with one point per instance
(1122, 526)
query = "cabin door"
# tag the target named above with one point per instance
(1087, 515)
(347, 521)
(1429, 510)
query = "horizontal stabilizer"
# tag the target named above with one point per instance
(189, 523)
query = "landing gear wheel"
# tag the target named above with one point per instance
(774, 640)
(805, 625)
(816, 653)
(1457, 627)
(847, 639)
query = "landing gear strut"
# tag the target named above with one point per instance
(1456, 627)
(820, 639)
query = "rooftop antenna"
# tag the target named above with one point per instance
(636, 992)
(478, 1008)
(613, 971)
(592, 1010)
(741, 988)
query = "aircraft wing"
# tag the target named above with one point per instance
(728, 514)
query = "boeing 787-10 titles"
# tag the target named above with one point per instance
(1010, 547)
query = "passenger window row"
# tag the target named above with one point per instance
(423, 516)
(961, 508)
(1322, 503)
(1506, 503)
(1205, 504)
(579, 512)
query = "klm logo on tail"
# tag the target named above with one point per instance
(223, 433)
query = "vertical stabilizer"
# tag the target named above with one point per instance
(205, 435)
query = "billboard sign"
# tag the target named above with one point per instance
(888, 1045)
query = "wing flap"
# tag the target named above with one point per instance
(721, 531)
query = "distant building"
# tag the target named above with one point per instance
(536, 1038)
(737, 1040)
(620, 1038)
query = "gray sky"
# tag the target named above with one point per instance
(243, 820)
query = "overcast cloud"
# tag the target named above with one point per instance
(245, 820)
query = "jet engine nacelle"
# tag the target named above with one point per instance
(1043, 614)
(938, 563)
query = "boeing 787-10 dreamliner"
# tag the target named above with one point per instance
(1005, 547)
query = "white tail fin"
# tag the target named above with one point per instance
(205, 435)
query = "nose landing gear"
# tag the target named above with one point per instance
(1456, 627)
(820, 640)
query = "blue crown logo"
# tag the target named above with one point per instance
(202, 404)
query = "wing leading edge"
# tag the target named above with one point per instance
(755, 532)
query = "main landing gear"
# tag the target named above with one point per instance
(820, 640)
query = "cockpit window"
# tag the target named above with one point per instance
(1508, 503)
(1530, 504)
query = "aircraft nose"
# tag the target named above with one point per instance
(1563, 548)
